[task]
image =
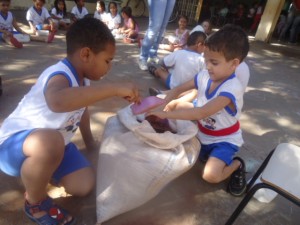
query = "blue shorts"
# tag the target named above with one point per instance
(222, 150)
(12, 157)
(39, 26)
(168, 81)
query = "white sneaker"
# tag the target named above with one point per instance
(143, 64)
(153, 60)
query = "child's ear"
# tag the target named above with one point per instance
(85, 54)
(235, 63)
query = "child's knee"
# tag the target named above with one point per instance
(211, 177)
(82, 185)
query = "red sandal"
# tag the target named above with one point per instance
(55, 214)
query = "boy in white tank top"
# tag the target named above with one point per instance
(218, 108)
(35, 140)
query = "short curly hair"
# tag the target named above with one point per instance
(88, 32)
(231, 40)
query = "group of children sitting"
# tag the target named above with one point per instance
(205, 88)
(213, 98)
(43, 25)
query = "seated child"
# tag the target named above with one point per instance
(40, 150)
(218, 107)
(113, 18)
(205, 27)
(100, 12)
(40, 20)
(59, 14)
(179, 40)
(78, 11)
(7, 25)
(182, 65)
(130, 29)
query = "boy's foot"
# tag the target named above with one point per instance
(154, 91)
(50, 37)
(15, 42)
(143, 65)
(237, 183)
(54, 214)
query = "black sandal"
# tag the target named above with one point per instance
(154, 91)
(152, 69)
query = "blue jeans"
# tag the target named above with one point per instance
(159, 14)
(295, 29)
(287, 25)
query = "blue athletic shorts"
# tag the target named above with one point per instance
(168, 81)
(12, 157)
(222, 150)
(39, 27)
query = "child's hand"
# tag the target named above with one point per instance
(171, 106)
(129, 92)
(160, 114)
(8, 34)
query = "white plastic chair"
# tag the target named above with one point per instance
(279, 172)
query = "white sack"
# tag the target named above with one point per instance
(134, 163)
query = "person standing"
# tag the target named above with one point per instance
(159, 14)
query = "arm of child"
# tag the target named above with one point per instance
(6, 33)
(62, 98)
(182, 112)
(177, 91)
(16, 26)
(32, 27)
(86, 133)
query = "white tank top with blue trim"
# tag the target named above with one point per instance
(33, 112)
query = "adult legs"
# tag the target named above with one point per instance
(287, 25)
(168, 11)
(294, 29)
(157, 16)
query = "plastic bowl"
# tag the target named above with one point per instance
(147, 104)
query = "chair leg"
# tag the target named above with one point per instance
(244, 202)
(259, 171)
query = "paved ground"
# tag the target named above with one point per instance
(271, 116)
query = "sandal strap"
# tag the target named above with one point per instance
(43, 205)
(54, 215)
(152, 69)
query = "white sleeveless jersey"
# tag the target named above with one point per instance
(112, 21)
(6, 23)
(101, 16)
(57, 14)
(185, 65)
(231, 88)
(79, 14)
(35, 17)
(33, 112)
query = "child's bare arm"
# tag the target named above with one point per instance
(16, 26)
(86, 132)
(32, 27)
(62, 98)
(6, 32)
(182, 113)
(175, 92)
